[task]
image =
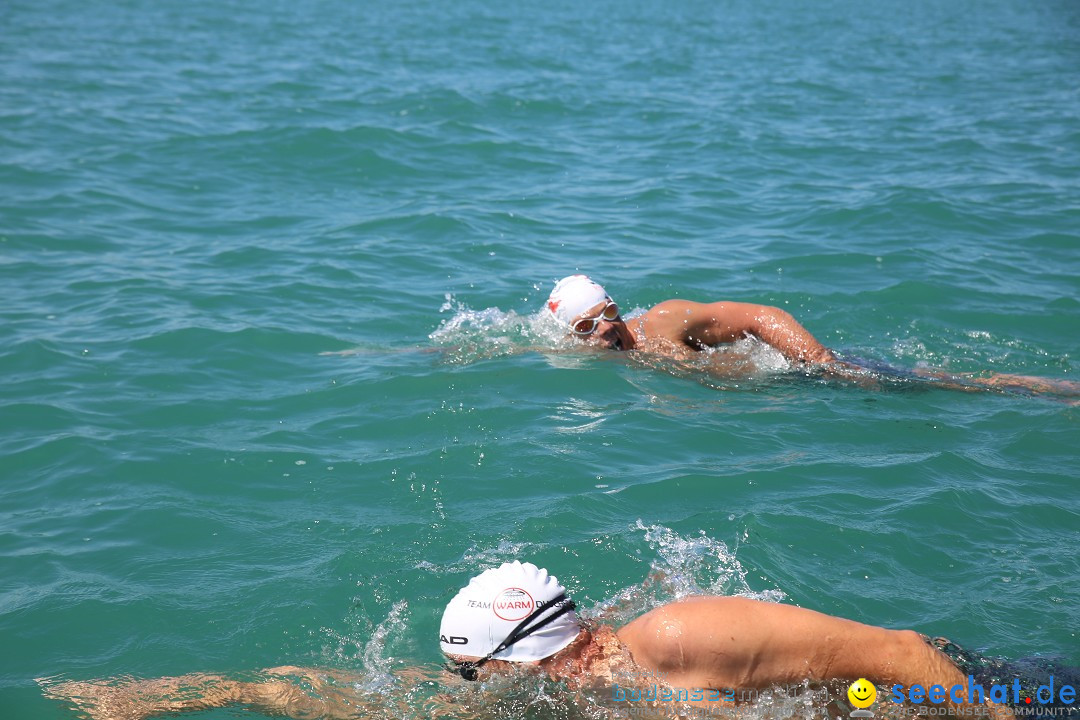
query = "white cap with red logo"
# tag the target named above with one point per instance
(574, 295)
(493, 606)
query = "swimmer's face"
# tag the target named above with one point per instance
(862, 693)
(611, 334)
(489, 668)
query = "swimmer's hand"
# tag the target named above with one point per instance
(286, 690)
(849, 372)
(128, 698)
(1030, 382)
(1067, 391)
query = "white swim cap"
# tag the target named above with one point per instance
(574, 295)
(485, 612)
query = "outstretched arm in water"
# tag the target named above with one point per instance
(282, 691)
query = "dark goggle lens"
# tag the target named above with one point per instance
(467, 670)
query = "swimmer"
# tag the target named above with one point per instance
(678, 329)
(518, 617)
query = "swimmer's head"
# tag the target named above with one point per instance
(516, 612)
(588, 312)
(574, 295)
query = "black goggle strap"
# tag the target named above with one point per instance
(467, 669)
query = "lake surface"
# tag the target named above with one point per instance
(277, 382)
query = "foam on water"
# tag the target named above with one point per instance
(368, 652)
(471, 335)
(684, 566)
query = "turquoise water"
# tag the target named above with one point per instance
(275, 386)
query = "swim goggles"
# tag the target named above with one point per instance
(587, 326)
(468, 669)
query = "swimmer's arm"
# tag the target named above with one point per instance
(1063, 389)
(735, 642)
(905, 659)
(320, 693)
(706, 324)
(847, 650)
(723, 642)
(778, 328)
(133, 699)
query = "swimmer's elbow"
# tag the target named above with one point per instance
(780, 329)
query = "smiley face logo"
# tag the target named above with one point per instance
(862, 693)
